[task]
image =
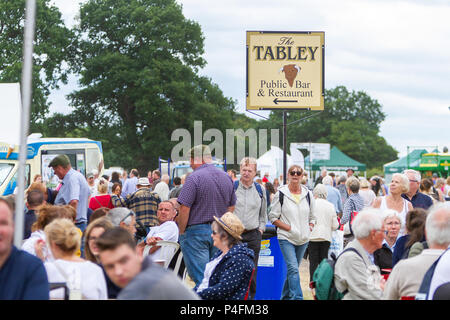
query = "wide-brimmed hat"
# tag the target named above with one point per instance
(231, 224)
(143, 182)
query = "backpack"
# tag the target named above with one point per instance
(424, 289)
(323, 279)
(257, 186)
(281, 198)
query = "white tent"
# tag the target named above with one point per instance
(272, 162)
(11, 108)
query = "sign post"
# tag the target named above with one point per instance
(285, 71)
(27, 69)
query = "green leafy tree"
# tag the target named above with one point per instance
(350, 120)
(138, 61)
(53, 49)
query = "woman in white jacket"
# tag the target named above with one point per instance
(326, 223)
(294, 219)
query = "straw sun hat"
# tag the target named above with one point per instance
(231, 223)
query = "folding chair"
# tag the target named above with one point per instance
(166, 252)
(58, 285)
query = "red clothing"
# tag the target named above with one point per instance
(100, 201)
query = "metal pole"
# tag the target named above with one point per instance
(284, 146)
(25, 117)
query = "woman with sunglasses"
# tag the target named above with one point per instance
(294, 219)
(227, 276)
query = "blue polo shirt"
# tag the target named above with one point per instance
(23, 277)
(419, 200)
(75, 187)
(334, 196)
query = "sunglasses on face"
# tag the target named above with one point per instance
(293, 173)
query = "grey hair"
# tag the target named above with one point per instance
(363, 183)
(320, 191)
(437, 227)
(117, 214)
(353, 184)
(416, 174)
(247, 161)
(391, 213)
(367, 220)
(327, 180)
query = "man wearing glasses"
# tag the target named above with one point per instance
(417, 199)
(355, 273)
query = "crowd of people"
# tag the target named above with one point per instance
(101, 236)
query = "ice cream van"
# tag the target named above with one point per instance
(85, 155)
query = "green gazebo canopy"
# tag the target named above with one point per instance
(339, 161)
(413, 159)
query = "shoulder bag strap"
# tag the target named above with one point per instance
(95, 198)
(354, 250)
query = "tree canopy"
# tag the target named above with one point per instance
(138, 65)
(350, 120)
(52, 51)
(138, 62)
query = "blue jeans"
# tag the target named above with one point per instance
(293, 256)
(198, 249)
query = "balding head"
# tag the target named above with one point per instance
(327, 181)
(437, 226)
(6, 230)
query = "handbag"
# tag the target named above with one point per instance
(348, 226)
(337, 243)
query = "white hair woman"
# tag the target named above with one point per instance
(394, 200)
(326, 223)
(383, 256)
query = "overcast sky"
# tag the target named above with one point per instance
(398, 52)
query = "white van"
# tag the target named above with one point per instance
(85, 155)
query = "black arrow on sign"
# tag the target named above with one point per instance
(276, 101)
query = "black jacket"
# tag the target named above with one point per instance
(383, 258)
